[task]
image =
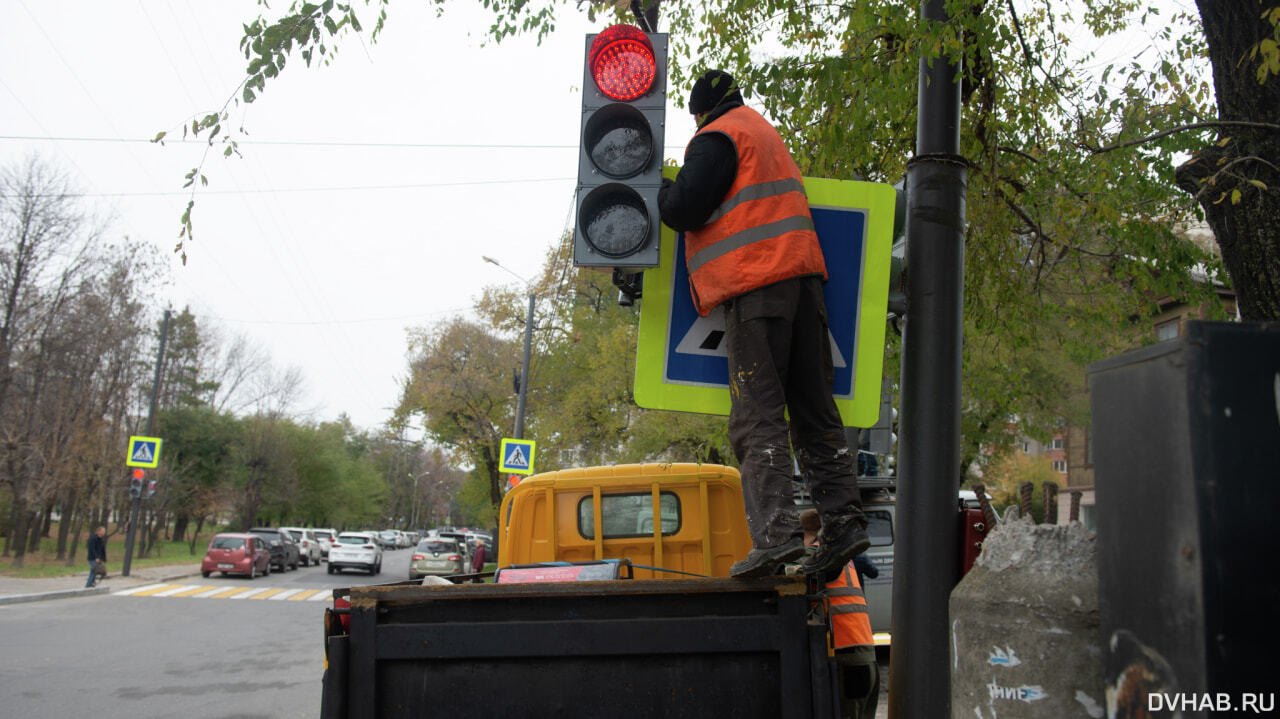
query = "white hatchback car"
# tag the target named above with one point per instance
(355, 550)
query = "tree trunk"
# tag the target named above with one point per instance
(35, 531)
(195, 534)
(180, 527)
(1244, 216)
(21, 519)
(75, 540)
(68, 516)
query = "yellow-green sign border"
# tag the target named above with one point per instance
(155, 461)
(860, 410)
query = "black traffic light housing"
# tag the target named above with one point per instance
(620, 149)
(135, 483)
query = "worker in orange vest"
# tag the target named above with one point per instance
(752, 251)
(858, 674)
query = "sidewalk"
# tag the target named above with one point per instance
(14, 590)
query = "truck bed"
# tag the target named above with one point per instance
(637, 648)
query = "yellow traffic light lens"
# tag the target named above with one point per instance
(614, 220)
(622, 62)
(619, 141)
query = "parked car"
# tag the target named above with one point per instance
(436, 556)
(326, 537)
(284, 551)
(356, 550)
(308, 544)
(229, 553)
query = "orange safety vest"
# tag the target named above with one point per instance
(762, 231)
(850, 623)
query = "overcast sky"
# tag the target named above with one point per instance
(368, 190)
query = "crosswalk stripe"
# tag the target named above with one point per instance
(156, 589)
(204, 591)
(176, 590)
(133, 591)
(228, 593)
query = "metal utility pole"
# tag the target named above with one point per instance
(524, 368)
(523, 392)
(151, 418)
(925, 558)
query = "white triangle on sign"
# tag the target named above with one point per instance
(516, 458)
(706, 337)
(143, 453)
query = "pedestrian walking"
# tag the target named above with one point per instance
(97, 554)
(477, 561)
(751, 250)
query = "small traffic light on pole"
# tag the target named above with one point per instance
(624, 102)
(135, 484)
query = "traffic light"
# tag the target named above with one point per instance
(624, 100)
(135, 484)
(151, 489)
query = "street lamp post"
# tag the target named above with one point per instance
(523, 393)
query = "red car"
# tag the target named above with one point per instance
(245, 554)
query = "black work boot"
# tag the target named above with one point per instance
(765, 562)
(840, 540)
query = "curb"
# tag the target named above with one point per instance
(60, 594)
(71, 593)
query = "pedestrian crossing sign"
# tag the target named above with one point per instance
(517, 456)
(681, 360)
(143, 452)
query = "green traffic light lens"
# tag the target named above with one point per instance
(614, 220)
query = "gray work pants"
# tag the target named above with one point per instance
(779, 362)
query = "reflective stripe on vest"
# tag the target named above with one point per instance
(762, 232)
(850, 622)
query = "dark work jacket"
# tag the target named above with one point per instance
(710, 167)
(97, 547)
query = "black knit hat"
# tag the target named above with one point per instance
(712, 88)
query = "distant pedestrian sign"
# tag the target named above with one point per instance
(517, 456)
(143, 452)
(681, 361)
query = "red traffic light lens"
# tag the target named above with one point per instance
(139, 473)
(622, 62)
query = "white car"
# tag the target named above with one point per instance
(308, 544)
(356, 550)
(326, 538)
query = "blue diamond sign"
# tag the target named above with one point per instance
(681, 362)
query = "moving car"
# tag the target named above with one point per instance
(356, 550)
(308, 544)
(436, 556)
(229, 553)
(284, 551)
